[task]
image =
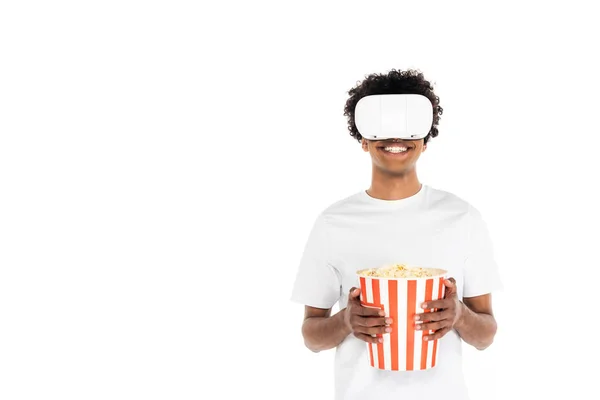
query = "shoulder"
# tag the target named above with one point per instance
(446, 200)
(347, 204)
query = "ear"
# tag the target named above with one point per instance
(365, 145)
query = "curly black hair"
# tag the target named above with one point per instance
(394, 82)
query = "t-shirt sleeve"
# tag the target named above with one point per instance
(317, 282)
(481, 274)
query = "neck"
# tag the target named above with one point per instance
(394, 187)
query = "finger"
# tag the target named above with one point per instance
(369, 311)
(371, 321)
(354, 293)
(434, 316)
(450, 284)
(368, 338)
(377, 330)
(433, 326)
(442, 303)
(438, 334)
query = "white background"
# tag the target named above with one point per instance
(161, 164)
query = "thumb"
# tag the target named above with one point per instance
(354, 293)
(450, 283)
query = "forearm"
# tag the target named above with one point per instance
(476, 329)
(324, 333)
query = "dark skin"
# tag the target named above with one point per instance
(394, 177)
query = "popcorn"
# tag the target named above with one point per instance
(399, 291)
(400, 271)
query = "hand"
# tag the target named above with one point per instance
(365, 321)
(449, 312)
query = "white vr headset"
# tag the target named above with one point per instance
(394, 116)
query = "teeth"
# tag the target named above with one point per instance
(395, 149)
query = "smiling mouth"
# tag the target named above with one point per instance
(395, 149)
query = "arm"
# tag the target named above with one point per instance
(318, 288)
(476, 324)
(321, 331)
(472, 318)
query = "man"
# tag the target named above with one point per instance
(397, 220)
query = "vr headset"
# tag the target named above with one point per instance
(394, 116)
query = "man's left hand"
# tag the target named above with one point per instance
(448, 313)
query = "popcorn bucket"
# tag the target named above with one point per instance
(403, 349)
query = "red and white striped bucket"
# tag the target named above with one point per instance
(403, 349)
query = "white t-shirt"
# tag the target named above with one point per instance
(432, 228)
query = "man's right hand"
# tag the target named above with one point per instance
(364, 322)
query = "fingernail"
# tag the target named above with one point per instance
(388, 321)
(417, 318)
(418, 327)
(425, 337)
(381, 313)
(388, 329)
(380, 340)
(424, 305)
